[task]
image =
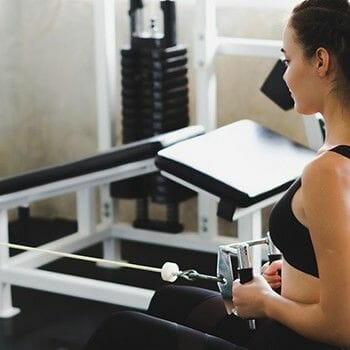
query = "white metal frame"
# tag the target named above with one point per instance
(24, 269)
(106, 62)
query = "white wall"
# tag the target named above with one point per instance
(9, 90)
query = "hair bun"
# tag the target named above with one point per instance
(335, 5)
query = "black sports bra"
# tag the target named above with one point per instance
(290, 236)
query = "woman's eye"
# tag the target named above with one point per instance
(285, 62)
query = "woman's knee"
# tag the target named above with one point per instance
(162, 304)
(189, 306)
(121, 320)
(115, 330)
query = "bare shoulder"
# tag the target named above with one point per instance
(328, 170)
(325, 193)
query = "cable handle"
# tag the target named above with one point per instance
(245, 275)
(274, 254)
(245, 270)
(272, 258)
(275, 257)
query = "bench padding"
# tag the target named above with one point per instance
(132, 152)
(84, 166)
(241, 163)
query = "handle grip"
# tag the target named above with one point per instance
(272, 258)
(245, 275)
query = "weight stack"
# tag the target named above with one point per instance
(154, 101)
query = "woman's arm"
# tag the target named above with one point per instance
(326, 201)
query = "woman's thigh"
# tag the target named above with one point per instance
(130, 330)
(200, 309)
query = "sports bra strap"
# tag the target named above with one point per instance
(342, 149)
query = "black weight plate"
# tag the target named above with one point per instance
(169, 112)
(163, 65)
(168, 74)
(162, 86)
(178, 50)
(161, 117)
(165, 95)
(169, 125)
(128, 52)
(166, 103)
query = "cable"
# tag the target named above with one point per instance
(169, 272)
(82, 257)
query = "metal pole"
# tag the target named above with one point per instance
(106, 97)
(205, 42)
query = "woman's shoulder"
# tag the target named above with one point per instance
(328, 167)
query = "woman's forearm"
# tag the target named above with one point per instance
(309, 320)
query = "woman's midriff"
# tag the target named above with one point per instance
(299, 286)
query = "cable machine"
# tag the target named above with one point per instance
(154, 101)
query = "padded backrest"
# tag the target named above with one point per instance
(132, 152)
(242, 163)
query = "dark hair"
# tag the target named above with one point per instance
(325, 23)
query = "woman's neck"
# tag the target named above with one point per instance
(337, 124)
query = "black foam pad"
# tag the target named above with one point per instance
(120, 155)
(242, 163)
(276, 89)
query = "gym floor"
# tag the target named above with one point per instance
(50, 321)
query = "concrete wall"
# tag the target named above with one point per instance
(47, 89)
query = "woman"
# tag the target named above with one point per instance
(310, 225)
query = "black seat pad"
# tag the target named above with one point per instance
(88, 165)
(242, 163)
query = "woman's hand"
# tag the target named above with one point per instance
(271, 273)
(249, 299)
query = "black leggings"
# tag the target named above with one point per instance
(189, 318)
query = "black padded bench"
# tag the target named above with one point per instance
(242, 164)
(122, 155)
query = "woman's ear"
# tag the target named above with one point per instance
(322, 62)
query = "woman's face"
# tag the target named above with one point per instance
(300, 76)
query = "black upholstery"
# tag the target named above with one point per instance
(241, 163)
(99, 162)
(132, 152)
(276, 88)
